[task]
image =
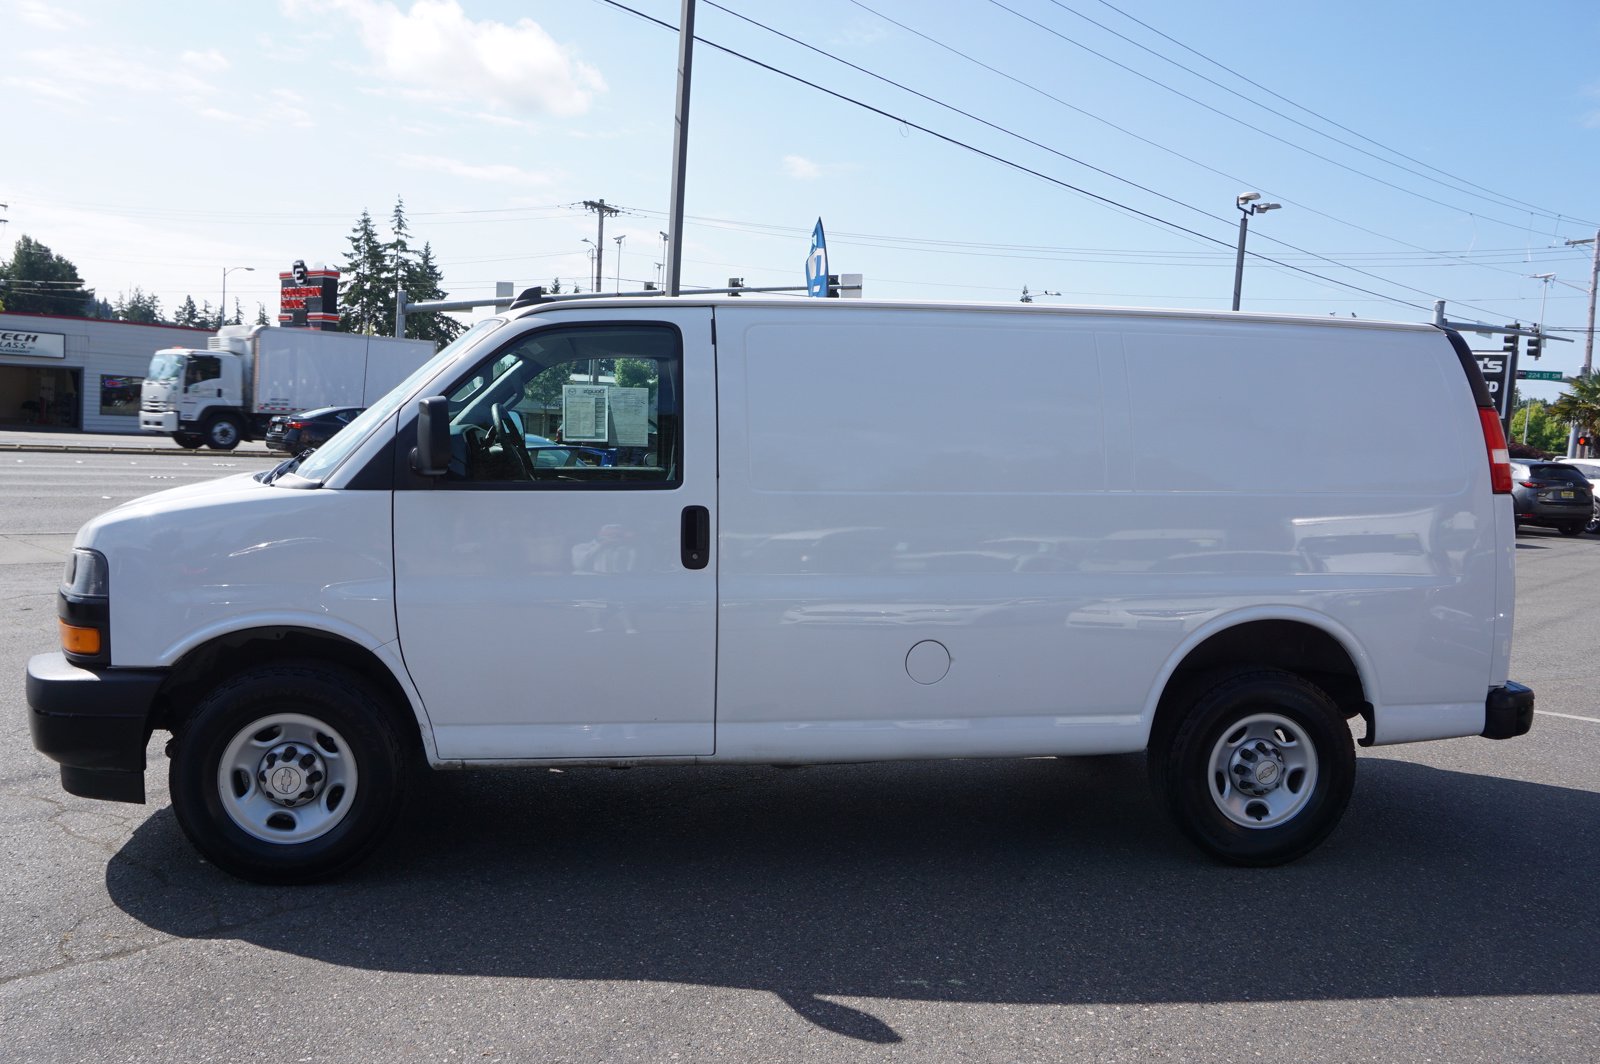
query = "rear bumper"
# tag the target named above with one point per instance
(95, 722)
(1507, 712)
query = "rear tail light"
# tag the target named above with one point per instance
(1494, 441)
(295, 425)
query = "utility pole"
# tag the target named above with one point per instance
(1594, 276)
(680, 146)
(601, 210)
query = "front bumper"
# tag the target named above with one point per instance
(162, 421)
(95, 722)
(1507, 712)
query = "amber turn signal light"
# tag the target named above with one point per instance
(82, 641)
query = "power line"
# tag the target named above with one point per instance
(1299, 204)
(1495, 198)
(1105, 200)
(1236, 119)
(1555, 216)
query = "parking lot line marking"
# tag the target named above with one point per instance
(1568, 716)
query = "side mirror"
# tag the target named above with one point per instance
(431, 456)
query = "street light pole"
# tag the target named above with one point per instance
(619, 238)
(1246, 202)
(222, 312)
(594, 276)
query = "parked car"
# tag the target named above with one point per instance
(293, 433)
(1591, 469)
(1552, 495)
(548, 454)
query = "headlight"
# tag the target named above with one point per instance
(83, 608)
(86, 574)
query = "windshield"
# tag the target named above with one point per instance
(326, 459)
(165, 367)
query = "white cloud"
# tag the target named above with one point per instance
(42, 87)
(43, 16)
(207, 62)
(800, 168)
(499, 172)
(435, 48)
(79, 68)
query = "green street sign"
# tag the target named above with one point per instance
(1539, 375)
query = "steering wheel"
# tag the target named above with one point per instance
(504, 431)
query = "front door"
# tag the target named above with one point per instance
(555, 594)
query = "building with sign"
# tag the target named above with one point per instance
(309, 297)
(79, 373)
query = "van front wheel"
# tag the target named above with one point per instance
(1260, 768)
(287, 773)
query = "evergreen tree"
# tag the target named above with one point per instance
(38, 281)
(261, 314)
(138, 307)
(366, 296)
(187, 313)
(424, 280)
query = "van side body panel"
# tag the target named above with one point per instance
(955, 532)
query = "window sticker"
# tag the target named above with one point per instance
(583, 412)
(630, 416)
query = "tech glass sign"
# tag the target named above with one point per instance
(32, 344)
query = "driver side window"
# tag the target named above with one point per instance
(589, 406)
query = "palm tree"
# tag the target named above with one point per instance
(1581, 405)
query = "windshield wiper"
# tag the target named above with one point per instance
(283, 468)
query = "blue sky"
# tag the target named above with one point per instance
(1422, 150)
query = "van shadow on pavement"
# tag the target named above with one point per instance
(1035, 881)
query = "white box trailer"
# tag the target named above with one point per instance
(249, 374)
(817, 531)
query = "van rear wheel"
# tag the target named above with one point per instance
(287, 773)
(1259, 769)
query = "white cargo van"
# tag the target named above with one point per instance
(704, 531)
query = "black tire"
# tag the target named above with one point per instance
(1572, 528)
(223, 433)
(304, 718)
(1210, 768)
(189, 441)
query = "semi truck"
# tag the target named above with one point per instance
(248, 374)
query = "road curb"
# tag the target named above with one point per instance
(93, 448)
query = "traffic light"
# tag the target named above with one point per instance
(1535, 343)
(734, 284)
(1509, 346)
(833, 286)
(1585, 442)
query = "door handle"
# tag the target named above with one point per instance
(696, 538)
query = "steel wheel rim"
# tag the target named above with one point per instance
(1262, 771)
(287, 778)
